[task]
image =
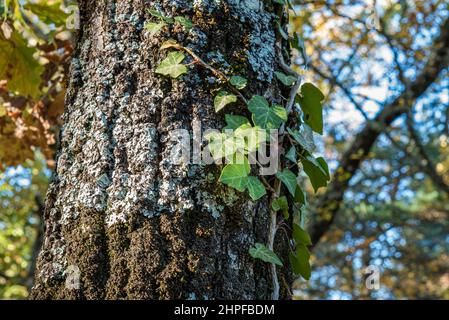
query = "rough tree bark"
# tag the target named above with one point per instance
(134, 224)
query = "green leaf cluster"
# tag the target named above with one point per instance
(237, 176)
(300, 257)
(242, 136)
(163, 20)
(266, 116)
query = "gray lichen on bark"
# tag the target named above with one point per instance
(136, 225)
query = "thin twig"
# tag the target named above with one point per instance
(294, 90)
(270, 243)
(277, 189)
(207, 66)
(267, 185)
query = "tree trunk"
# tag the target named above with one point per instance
(135, 225)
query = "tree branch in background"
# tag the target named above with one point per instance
(446, 127)
(334, 81)
(330, 202)
(427, 164)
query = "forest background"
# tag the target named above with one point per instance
(388, 214)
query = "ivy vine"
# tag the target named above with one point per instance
(295, 125)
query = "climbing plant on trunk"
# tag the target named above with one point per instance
(123, 220)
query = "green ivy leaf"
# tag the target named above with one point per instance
(236, 175)
(224, 145)
(155, 13)
(310, 100)
(260, 251)
(215, 145)
(300, 196)
(303, 142)
(160, 16)
(252, 137)
(300, 262)
(324, 166)
(223, 99)
(234, 121)
(318, 175)
(301, 236)
(281, 204)
(186, 23)
(288, 178)
(255, 188)
(291, 155)
(238, 82)
(285, 79)
(243, 140)
(298, 44)
(265, 116)
(154, 28)
(282, 32)
(171, 66)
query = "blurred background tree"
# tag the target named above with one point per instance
(385, 66)
(22, 193)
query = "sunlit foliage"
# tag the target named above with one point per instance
(22, 192)
(35, 47)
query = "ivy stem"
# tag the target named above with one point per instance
(220, 75)
(277, 189)
(267, 185)
(271, 238)
(294, 90)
